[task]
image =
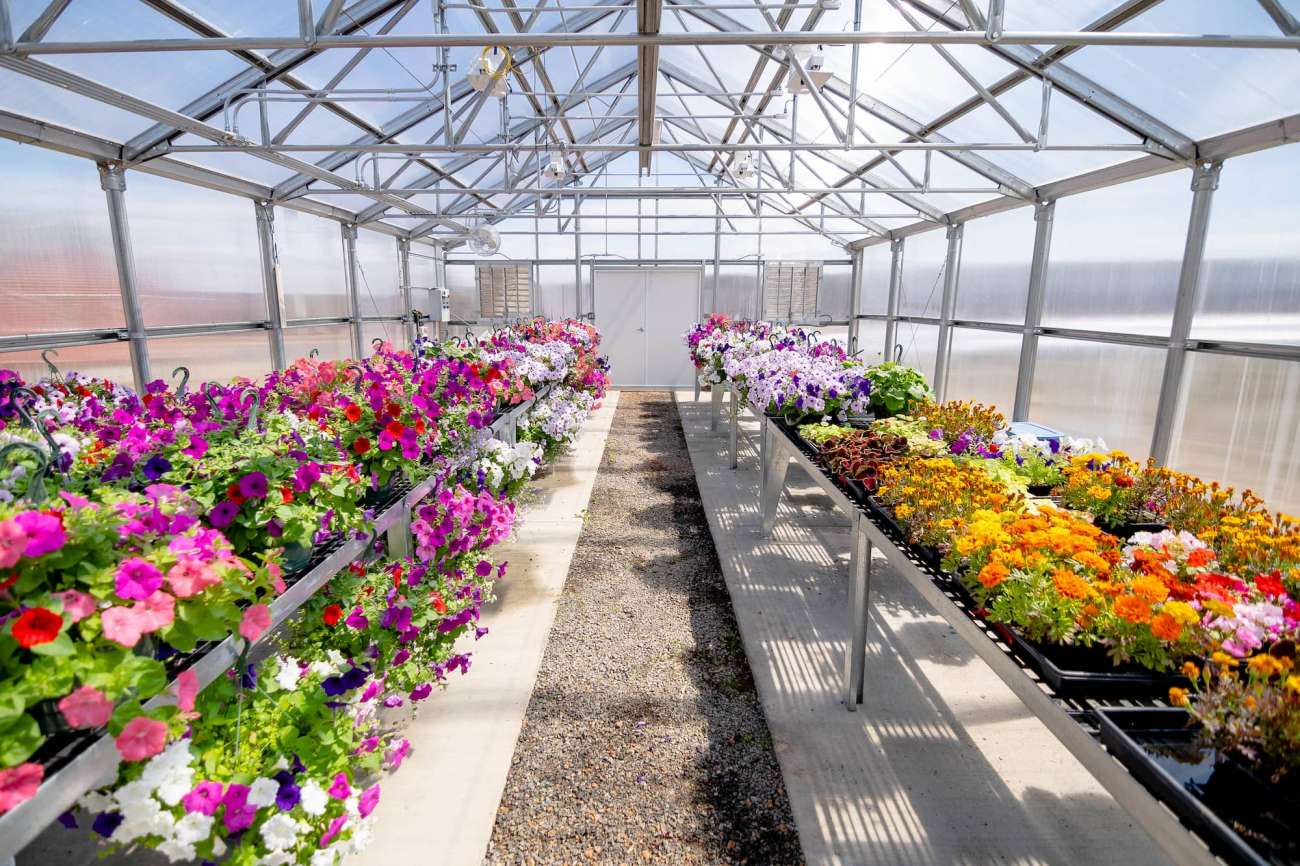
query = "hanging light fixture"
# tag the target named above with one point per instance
(489, 70)
(743, 168)
(810, 60)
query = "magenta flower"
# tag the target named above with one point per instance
(368, 801)
(239, 812)
(137, 579)
(340, 790)
(483, 569)
(335, 826)
(398, 754)
(421, 691)
(205, 798)
(253, 486)
(197, 448)
(44, 532)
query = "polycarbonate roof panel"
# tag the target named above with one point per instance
(36, 99)
(1199, 92)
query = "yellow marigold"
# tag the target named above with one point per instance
(903, 511)
(1292, 684)
(1181, 611)
(1150, 589)
(1265, 665)
(1132, 609)
(1070, 584)
(1096, 491)
(1166, 627)
(1092, 561)
(1178, 697)
(1222, 659)
(1190, 670)
(1219, 608)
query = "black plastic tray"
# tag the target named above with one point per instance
(1087, 672)
(1242, 818)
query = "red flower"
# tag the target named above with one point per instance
(9, 581)
(438, 604)
(395, 429)
(393, 409)
(362, 445)
(286, 493)
(420, 425)
(1124, 481)
(37, 626)
(1270, 584)
(332, 614)
(353, 412)
(233, 494)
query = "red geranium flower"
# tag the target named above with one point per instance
(286, 493)
(233, 494)
(395, 429)
(362, 445)
(332, 614)
(353, 412)
(1270, 584)
(37, 626)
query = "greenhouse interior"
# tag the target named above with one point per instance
(494, 432)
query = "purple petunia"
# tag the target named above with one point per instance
(156, 467)
(253, 486)
(223, 513)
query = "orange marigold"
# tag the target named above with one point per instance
(1199, 557)
(1070, 584)
(993, 574)
(1150, 589)
(1133, 609)
(1166, 627)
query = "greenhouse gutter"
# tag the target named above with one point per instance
(746, 38)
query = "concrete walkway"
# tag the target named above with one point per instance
(439, 808)
(942, 764)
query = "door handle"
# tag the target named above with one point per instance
(642, 330)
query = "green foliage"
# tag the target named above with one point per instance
(896, 388)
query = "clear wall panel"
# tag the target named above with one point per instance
(1098, 389)
(920, 345)
(110, 360)
(378, 281)
(312, 270)
(464, 291)
(833, 297)
(1250, 286)
(213, 357)
(996, 254)
(389, 332)
(58, 272)
(196, 253)
(923, 267)
(333, 341)
(1116, 254)
(871, 341)
(876, 262)
(737, 293)
(1240, 424)
(983, 366)
(553, 296)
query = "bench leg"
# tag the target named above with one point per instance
(855, 656)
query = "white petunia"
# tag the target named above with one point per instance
(288, 674)
(281, 832)
(262, 792)
(193, 828)
(324, 857)
(177, 852)
(94, 801)
(276, 858)
(314, 799)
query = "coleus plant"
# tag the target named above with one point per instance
(862, 455)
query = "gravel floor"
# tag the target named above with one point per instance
(644, 741)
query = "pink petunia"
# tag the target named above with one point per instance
(142, 738)
(87, 707)
(19, 784)
(13, 541)
(368, 801)
(189, 576)
(335, 826)
(76, 605)
(155, 612)
(137, 578)
(122, 625)
(397, 754)
(187, 689)
(257, 619)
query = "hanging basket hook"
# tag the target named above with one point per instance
(49, 365)
(185, 380)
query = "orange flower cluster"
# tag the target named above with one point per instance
(929, 494)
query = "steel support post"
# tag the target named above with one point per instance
(275, 315)
(855, 299)
(1205, 180)
(577, 258)
(404, 275)
(895, 291)
(1044, 213)
(947, 310)
(112, 179)
(349, 233)
(715, 406)
(717, 259)
(855, 653)
(734, 433)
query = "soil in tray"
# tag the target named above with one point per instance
(1268, 822)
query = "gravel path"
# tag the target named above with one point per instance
(644, 741)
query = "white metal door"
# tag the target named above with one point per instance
(619, 295)
(672, 305)
(642, 314)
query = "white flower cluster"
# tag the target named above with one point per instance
(561, 414)
(1025, 445)
(502, 464)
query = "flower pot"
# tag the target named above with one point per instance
(48, 718)
(1134, 524)
(1040, 490)
(881, 413)
(295, 558)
